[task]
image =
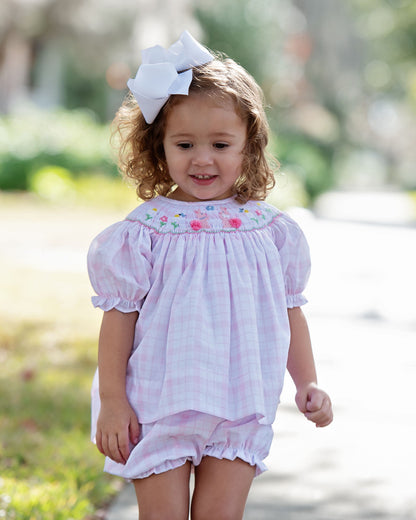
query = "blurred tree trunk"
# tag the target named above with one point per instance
(15, 65)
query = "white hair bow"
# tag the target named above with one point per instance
(164, 72)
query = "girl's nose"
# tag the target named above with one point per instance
(202, 157)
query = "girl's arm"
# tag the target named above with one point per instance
(117, 422)
(312, 401)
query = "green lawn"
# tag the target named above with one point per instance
(49, 469)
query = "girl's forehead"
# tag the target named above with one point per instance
(210, 99)
(202, 114)
(197, 104)
(197, 107)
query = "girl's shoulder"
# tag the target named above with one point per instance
(173, 217)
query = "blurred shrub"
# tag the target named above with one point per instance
(288, 192)
(67, 155)
(308, 163)
(56, 184)
(32, 140)
(52, 182)
(106, 192)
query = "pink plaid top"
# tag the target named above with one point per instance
(212, 282)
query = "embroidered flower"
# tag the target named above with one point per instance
(209, 217)
(235, 222)
(196, 225)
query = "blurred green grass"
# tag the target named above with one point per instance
(49, 469)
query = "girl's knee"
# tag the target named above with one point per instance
(167, 514)
(217, 511)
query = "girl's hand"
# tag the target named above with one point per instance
(315, 404)
(117, 428)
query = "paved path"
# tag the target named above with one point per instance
(362, 317)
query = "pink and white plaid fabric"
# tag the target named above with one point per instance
(212, 282)
(168, 443)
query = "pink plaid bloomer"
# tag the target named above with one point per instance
(212, 282)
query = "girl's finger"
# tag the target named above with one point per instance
(114, 451)
(134, 430)
(123, 446)
(104, 445)
(98, 442)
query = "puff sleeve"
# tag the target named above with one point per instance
(119, 267)
(295, 259)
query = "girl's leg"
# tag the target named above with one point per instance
(164, 496)
(221, 489)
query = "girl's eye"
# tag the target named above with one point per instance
(185, 146)
(220, 146)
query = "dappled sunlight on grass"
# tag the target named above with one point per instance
(49, 469)
(48, 466)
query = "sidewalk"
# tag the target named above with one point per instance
(362, 318)
(362, 467)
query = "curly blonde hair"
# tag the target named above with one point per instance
(141, 152)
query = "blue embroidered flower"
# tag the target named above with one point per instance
(210, 208)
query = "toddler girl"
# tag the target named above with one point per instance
(201, 288)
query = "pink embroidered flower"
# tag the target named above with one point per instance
(164, 219)
(196, 225)
(235, 222)
(258, 212)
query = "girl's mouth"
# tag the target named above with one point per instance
(203, 180)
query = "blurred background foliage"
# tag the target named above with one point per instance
(339, 80)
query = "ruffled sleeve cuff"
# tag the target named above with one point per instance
(106, 303)
(295, 300)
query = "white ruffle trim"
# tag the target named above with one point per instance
(216, 451)
(106, 303)
(295, 300)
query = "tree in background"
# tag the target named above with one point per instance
(79, 53)
(339, 77)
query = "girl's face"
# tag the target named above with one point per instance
(203, 146)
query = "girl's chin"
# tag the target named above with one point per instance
(198, 195)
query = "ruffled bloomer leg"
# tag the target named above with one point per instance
(170, 442)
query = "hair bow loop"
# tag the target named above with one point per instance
(165, 72)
